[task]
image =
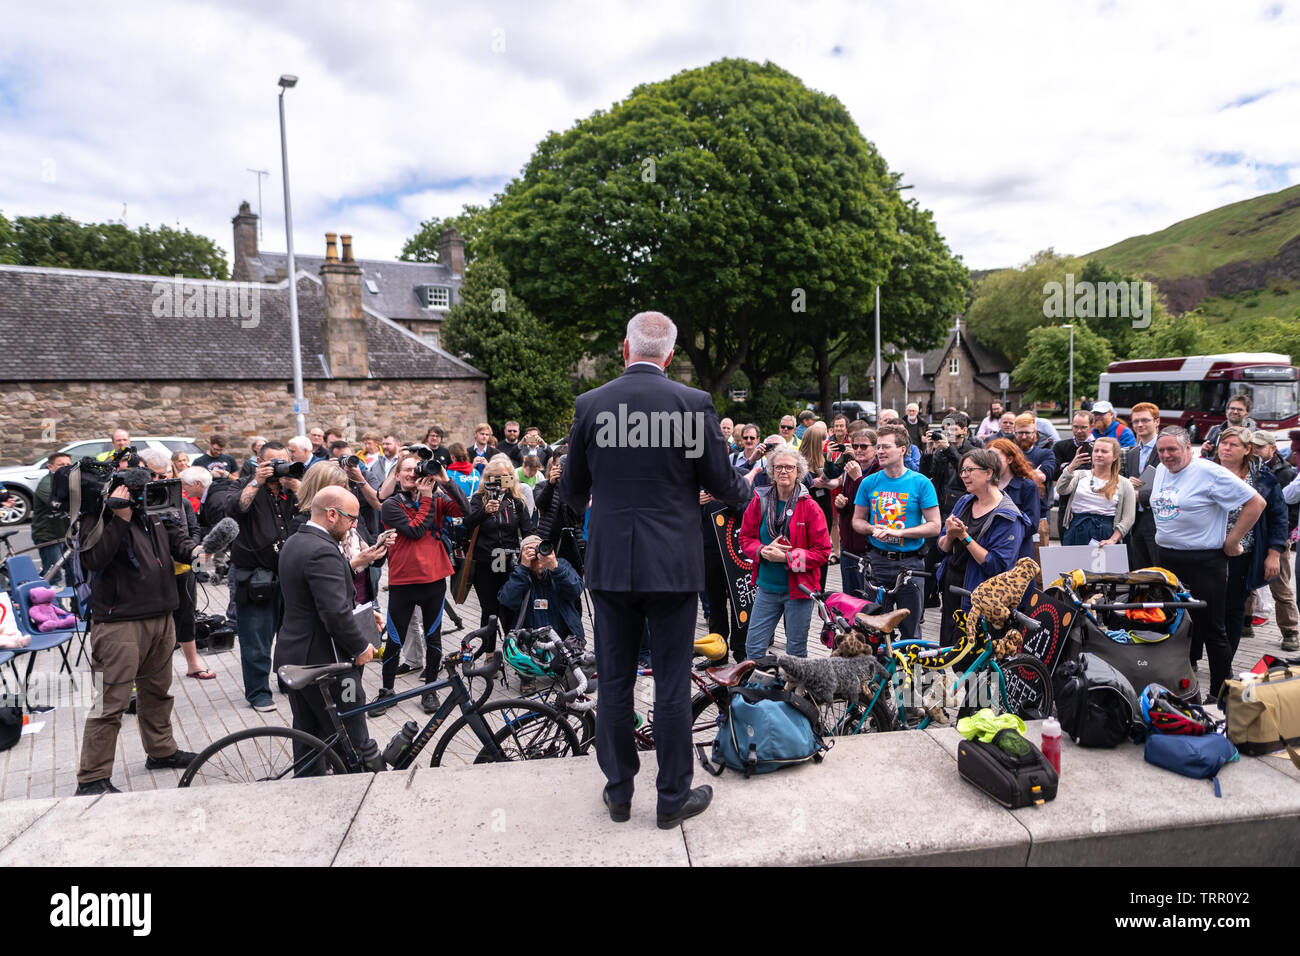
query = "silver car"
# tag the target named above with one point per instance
(21, 480)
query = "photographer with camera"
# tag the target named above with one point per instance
(498, 520)
(264, 511)
(418, 564)
(558, 524)
(542, 591)
(130, 554)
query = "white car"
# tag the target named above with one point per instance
(21, 480)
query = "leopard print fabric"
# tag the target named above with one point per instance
(997, 597)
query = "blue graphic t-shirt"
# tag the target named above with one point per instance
(898, 503)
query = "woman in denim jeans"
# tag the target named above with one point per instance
(784, 534)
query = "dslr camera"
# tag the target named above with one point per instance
(428, 468)
(424, 451)
(288, 469)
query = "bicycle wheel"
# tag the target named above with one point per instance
(842, 718)
(705, 713)
(1028, 689)
(522, 729)
(259, 753)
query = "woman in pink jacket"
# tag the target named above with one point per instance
(784, 534)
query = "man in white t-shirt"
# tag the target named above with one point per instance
(1191, 498)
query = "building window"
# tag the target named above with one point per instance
(437, 297)
(431, 337)
(953, 366)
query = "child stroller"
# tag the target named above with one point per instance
(1137, 621)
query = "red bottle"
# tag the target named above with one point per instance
(1051, 742)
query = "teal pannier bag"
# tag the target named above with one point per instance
(765, 729)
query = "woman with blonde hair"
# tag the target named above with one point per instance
(1102, 507)
(180, 461)
(499, 518)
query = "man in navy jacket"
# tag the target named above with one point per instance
(642, 447)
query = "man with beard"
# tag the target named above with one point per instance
(1039, 453)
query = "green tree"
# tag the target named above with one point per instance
(63, 242)
(528, 377)
(423, 246)
(731, 197)
(1118, 328)
(1172, 335)
(1045, 369)
(1009, 303)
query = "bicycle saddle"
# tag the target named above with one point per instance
(885, 623)
(297, 676)
(731, 675)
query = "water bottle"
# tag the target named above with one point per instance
(1051, 742)
(369, 753)
(400, 743)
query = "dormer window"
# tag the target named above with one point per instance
(437, 297)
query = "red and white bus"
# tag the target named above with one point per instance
(1193, 391)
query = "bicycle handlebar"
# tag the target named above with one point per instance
(486, 669)
(1024, 620)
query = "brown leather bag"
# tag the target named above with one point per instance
(1263, 712)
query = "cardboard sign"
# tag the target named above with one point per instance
(738, 568)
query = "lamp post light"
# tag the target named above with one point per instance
(288, 82)
(1071, 328)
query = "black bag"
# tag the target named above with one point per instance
(1009, 769)
(255, 585)
(11, 726)
(1096, 703)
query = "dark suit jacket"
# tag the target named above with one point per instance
(645, 513)
(316, 582)
(1129, 462)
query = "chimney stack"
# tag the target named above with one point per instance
(451, 252)
(343, 333)
(245, 223)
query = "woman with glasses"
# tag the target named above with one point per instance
(981, 538)
(1263, 546)
(418, 566)
(1102, 505)
(784, 534)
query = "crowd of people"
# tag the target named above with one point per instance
(961, 500)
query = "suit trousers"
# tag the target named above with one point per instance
(309, 714)
(621, 620)
(1142, 542)
(123, 653)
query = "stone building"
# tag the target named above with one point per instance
(87, 351)
(962, 372)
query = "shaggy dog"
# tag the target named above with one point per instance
(829, 677)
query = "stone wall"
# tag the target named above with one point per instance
(38, 417)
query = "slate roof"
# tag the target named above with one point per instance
(398, 282)
(69, 324)
(988, 361)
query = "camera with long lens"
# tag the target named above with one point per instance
(545, 549)
(161, 498)
(424, 451)
(428, 468)
(352, 461)
(287, 469)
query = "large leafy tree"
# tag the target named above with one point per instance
(739, 202)
(1045, 369)
(528, 377)
(1009, 303)
(110, 247)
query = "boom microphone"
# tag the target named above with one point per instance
(221, 537)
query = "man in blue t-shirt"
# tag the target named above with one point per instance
(898, 508)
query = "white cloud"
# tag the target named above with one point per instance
(1022, 125)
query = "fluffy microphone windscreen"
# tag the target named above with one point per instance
(222, 535)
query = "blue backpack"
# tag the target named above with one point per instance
(765, 729)
(1199, 757)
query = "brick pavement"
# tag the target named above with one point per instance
(44, 764)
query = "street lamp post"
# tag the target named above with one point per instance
(1071, 328)
(288, 82)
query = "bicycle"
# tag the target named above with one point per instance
(568, 688)
(881, 708)
(484, 733)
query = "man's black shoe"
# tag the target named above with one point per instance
(383, 709)
(429, 702)
(96, 787)
(696, 802)
(177, 761)
(405, 668)
(618, 812)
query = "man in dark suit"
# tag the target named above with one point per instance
(1138, 464)
(642, 447)
(318, 628)
(1064, 452)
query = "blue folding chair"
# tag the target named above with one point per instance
(22, 579)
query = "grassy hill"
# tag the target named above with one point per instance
(1247, 231)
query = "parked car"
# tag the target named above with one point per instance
(856, 409)
(21, 480)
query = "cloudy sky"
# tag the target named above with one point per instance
(1022, 125)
